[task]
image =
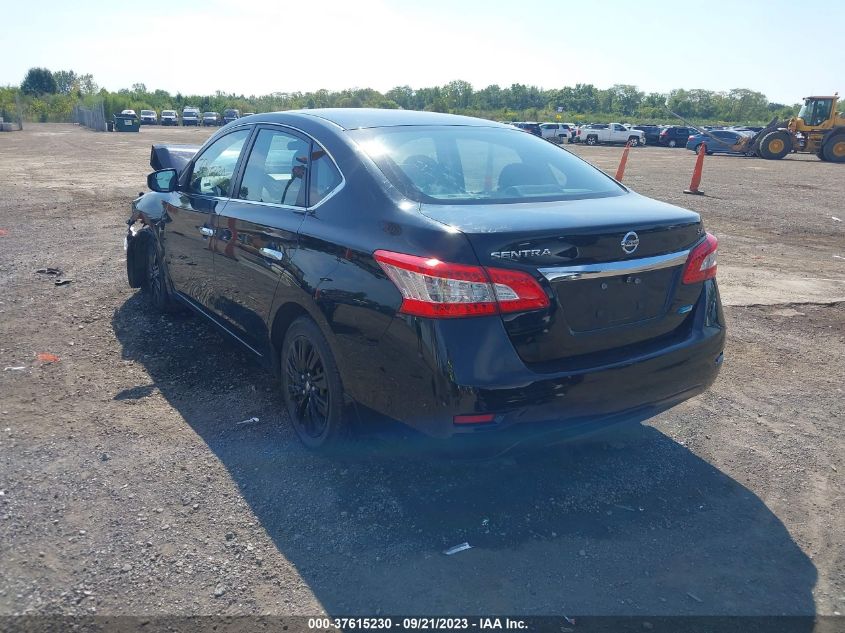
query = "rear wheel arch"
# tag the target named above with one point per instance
(285, 316)
(282, 320)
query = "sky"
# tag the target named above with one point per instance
(256, 47)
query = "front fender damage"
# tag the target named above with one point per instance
(143, 228)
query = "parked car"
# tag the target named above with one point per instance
(149, 117)
(409, 277)
(651, 132)
(190, 116)
(210, 119)
(169, 117)
(596, 133)
(230, 115)
(557, 132)
(528, 126)
(676, 136)
(719, 142)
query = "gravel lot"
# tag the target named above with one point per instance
(127, 486)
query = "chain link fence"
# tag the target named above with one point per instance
(93, 118)
(12, 121)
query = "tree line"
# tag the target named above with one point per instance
(47, 95)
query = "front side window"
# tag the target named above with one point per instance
(212, 172)
(276, 169)
(475, 165)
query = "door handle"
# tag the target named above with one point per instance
(269, 252)
(206, 231)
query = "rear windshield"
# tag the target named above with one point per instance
(466, 165)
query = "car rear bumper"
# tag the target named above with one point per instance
(463, 366)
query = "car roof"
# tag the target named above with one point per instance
(357, 118)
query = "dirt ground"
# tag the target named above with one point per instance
(127, 486)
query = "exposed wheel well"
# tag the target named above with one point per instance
(136, 258)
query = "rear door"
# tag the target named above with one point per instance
(188, 237)
(257, 232)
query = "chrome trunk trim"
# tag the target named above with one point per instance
(613, 269)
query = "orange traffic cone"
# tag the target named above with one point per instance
(621, 171)
(696, 173)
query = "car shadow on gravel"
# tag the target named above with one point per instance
(634, 524)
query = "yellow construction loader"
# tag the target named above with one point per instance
(818, 129)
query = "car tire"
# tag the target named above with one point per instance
(592, 140)
(834, 149)
(156, 284)
(311, 386)
(672, 143)
(634, 141)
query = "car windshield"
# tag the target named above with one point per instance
(147, 112)
(468, 164)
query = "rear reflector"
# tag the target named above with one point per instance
(701, 263)
(432, 288)
(481, 418)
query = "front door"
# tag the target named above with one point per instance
(257, 233)
(189, 232)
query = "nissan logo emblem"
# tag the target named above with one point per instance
(630, 242)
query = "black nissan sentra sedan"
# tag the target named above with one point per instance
(452, 273)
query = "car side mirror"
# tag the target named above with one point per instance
(163, 180)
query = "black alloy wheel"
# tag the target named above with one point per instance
(311, 385)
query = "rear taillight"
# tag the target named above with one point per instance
(432, 288)
(701, 263)
(471, 418)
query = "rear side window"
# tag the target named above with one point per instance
(467, 164)
(212, 172)
(325, 177)
(276, 169)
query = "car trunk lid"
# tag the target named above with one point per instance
(612, 267)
